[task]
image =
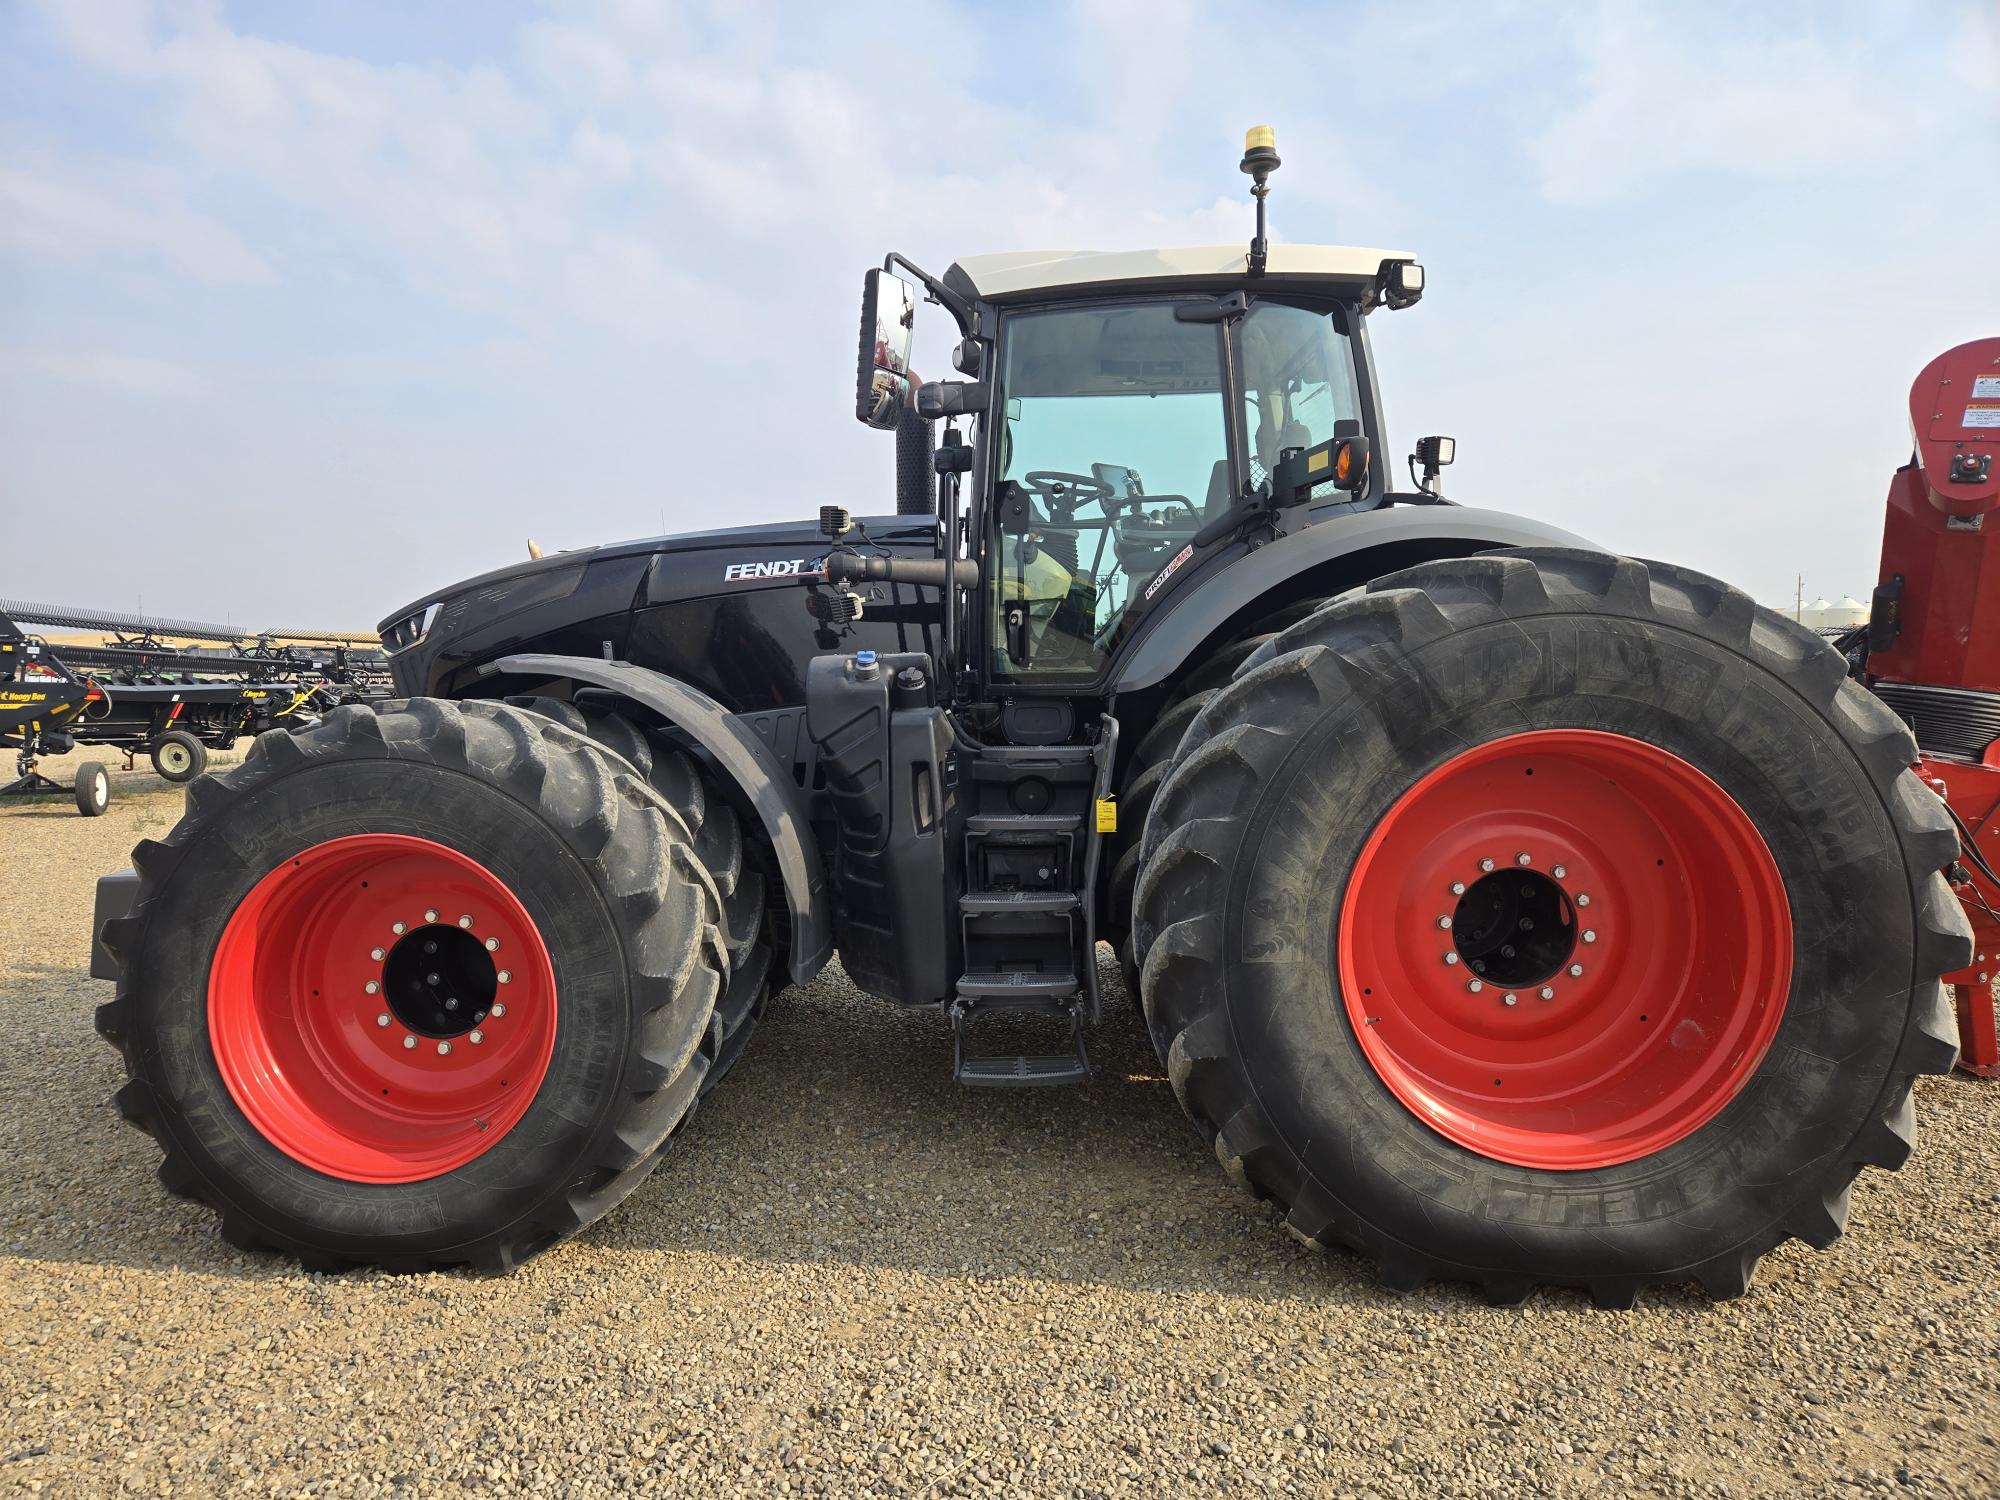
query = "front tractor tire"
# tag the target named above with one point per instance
(424, 985)
(1549, 918)
(719, 846)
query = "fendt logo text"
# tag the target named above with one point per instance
(784, 567)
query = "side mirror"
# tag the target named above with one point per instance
(888, 319)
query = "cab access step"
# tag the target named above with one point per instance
(962, 865)
(983, 995)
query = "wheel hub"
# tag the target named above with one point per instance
(439, 981)
(1514, 927)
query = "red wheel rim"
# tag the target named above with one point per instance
(328, 1014)
(1640, 998)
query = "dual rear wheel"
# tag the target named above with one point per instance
(1548, 918)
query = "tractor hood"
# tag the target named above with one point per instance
(581, 602)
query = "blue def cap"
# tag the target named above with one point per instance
(864, 658)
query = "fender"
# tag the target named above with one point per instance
(780, 805)
(1410, 533)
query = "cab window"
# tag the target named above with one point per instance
(1298, 380)
(1112, 450)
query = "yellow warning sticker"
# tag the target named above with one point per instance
(1107, 815)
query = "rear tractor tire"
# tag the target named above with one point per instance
(424, 985)
(1549, 918)
(1153, 757)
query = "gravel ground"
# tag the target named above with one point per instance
(855, 1278)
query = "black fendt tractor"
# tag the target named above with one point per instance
(1502, 909)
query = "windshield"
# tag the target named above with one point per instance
(1113, 451)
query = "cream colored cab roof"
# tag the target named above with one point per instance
(1023, 271)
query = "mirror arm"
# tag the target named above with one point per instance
(956, 305)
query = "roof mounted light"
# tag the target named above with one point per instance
(1260, 160)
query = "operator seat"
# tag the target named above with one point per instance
(1270, 444)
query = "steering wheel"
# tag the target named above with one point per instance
(1062, 493)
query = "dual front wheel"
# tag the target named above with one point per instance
(432, 983)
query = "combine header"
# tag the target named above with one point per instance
(140, 694)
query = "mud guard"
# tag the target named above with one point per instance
(768, 787)
(1193, 617)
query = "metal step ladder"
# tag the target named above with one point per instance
(1026, 919)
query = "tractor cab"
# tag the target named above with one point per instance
(1127, 417)
(1129, 427)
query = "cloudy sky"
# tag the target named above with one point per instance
(305, 308)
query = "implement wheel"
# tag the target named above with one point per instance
(179, 756)
(92, 789)
(1549, 918)
(423, 985)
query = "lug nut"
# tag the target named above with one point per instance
(1451, 958)
(493, 945)
(465, 921)
(499, 1010)
(1559, 871)
(372, 987)
(444, 1049)
(383, 1019)
(1458, 887)
(475, 1037)
(1510, 998)
(431, 978)
(505, 976)
(1486, 864)
(377, 954)
(1444, 921)
(1589, 935)
(408, 1041)
(399, 928)
(451, 1002)
(1548, 992)
(1475, 985)
(1523, 859)
(431, 915)
(1576, 971)
(1583, 898)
